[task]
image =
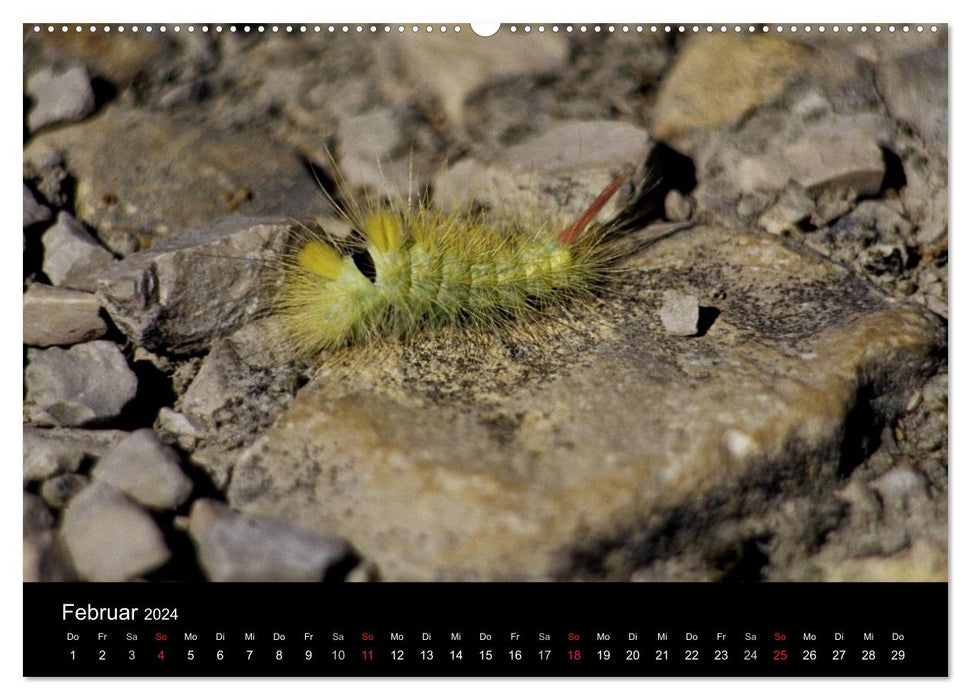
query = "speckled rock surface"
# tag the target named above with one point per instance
(477, 474)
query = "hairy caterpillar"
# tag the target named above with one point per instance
(418, 268)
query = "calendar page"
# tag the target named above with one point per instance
(393, 349)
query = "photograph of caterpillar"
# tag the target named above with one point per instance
(402, 302)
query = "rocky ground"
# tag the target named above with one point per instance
(761, 394)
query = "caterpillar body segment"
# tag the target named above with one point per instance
(431, 269)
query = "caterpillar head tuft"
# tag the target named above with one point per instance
(320, 259)
(384, 231)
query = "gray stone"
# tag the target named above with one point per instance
(50, 452)
(165, 175)
(677, 207)
(559, 172)
(580, 145)
(515, 458)
(59, 490)
(55, 316)
(679, 314)
(451, 67)
(85, 384)
(43, 557)
(232, 546)
(901, 483)
(368, 144)
(59, 97)
(180, 294)
(839, 154)
(243, 384)
(109, 537)
(914, 87)
(37, 517)
(768, 168)
(72, 257)
(146, 470)
(792, 207)
(34, 211)
(184, 430)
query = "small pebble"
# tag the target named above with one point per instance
(677, 207)
(56, 316)
(145, 469)
(85, 384)
(109, 537)
(233, 546)
(37, 517)
(49, 452)
(59, 97)
(184, 430)
(72, 256)
(34, 211)
(901, 482)
(680, 314)
(59, 490)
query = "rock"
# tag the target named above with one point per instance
(34, 211)
(717, 80)
(43, 558)
(182, 429)
(118, 57)
(59, 97)
(50, 452)
(677, 207)
(59, 490)
(901, 483)
(922, 560)
(842, 153)
(551, 173)
(914, 88)
(235, 547)
(167, 176)
(55, 316)
(679, 314)
(580, 145)
(37, 518)
(110, 538)
(769, 167)
(146, 470)
(180, 294)
(83, 385)
(523, 457)
(368, 143)
(451, 67)
(792, 207)
(243, 384)
(72, 257)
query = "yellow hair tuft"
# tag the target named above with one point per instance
(384, 231)
(320, 259)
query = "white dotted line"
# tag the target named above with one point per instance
(525, 29)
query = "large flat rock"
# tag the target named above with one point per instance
(506, 458)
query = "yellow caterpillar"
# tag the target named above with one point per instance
(420, 268)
